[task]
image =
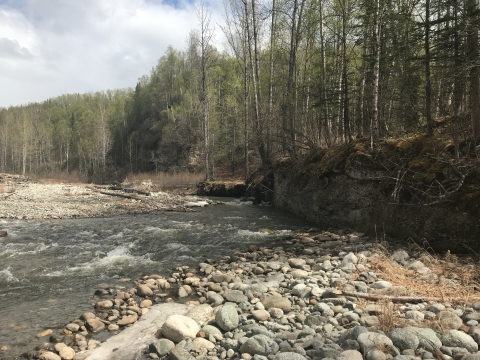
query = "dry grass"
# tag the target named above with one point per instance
(388, 317)
(163, 181)
(453, 279)
(59, 177)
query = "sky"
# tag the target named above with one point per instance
(54, 47)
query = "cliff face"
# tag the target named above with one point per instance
(356, 191)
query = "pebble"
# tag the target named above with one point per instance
(283, 304)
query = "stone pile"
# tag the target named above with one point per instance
(312, 298)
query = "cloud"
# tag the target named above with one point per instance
(52, 47)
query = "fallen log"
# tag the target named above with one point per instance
(392, 298)
(129, 190)
(120, 195)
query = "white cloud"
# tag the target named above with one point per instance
(52, 47)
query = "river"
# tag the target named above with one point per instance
(49, 269)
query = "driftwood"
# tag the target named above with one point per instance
(129, 190)
(120, 195)
(378, 297)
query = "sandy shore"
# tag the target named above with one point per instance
(30, 200)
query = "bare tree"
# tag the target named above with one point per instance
(205, 39)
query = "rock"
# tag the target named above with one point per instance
(350, 355)
(455, 338)
(180, 353)
(349, 259)
(45, 333)
(471, 357)
(144, 290)
(416, 265)
(3, 233)
(292, 356)
(146, 303)
(372, 340)
(400, 256)
(94, 325)
(259, 344)
(376, 355)
(227, 318)
(211, 330)
(88, 315)
(127, 320)
(201, 313)
(297, 273)
(215, 287)
(67, 353)
(104, 305)
(200, 343)
(415, 315)
(381, 284)
(161, 346)
(72, 327)
(301, 290)
(214, 298)
(436, 308)
(182, 292)
(113, 327)
(235, 296)
(296, 263)
(275, 313)
(449, 320)
(276, 302)
(260, 315)
(404, 338)
(427, 338)
(48, 355)
(179, 327)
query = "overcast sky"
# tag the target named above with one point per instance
(54, 47)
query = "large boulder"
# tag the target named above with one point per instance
(455, 338)
(179, 327)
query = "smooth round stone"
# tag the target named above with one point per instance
(260, 315)
(404, 338)
(227, 318)
(455, 338)
(350, 355)
(72, 327)
(375, 355)
(113, 327)
(104, 305)
(449, 320)
(371, 340)
(179, 327)
(144, 291)
(48, 355)
(276, 302)
(67, 353)
(161, 346)
(381, 284)
(415, 315)
(94, 325)
(259, 344)
(291, 356)
(127, 320)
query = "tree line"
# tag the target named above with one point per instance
(296, 74)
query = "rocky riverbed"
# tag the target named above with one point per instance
(31, 200)
(317, 295)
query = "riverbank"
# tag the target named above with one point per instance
(32, 200)
(326, 295)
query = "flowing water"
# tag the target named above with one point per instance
(49, 270)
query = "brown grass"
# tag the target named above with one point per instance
(457, 280)
(59, 177)
(163, 181)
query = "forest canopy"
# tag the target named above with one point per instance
(296, 74)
